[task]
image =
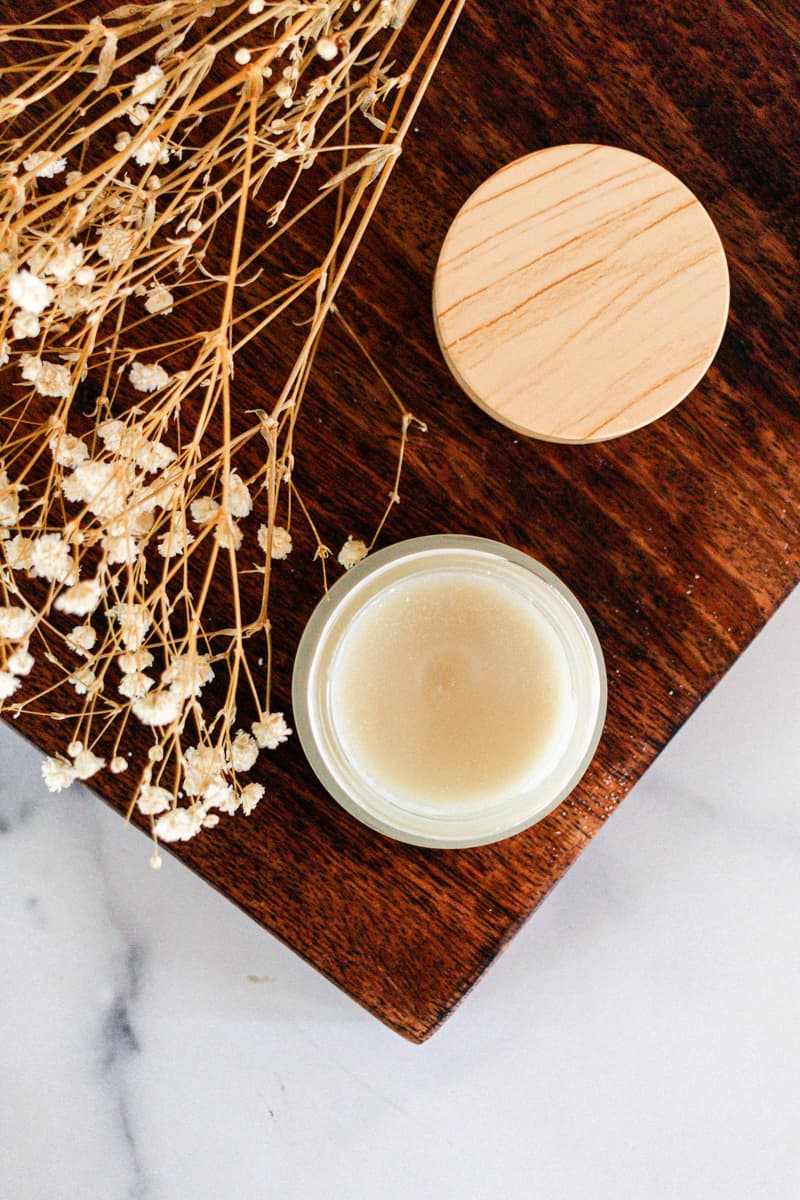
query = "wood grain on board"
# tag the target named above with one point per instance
(581, 293)
(680, 539)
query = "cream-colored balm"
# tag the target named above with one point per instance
(451, 690)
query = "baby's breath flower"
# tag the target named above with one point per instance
(103, 486)
(150, 85)
(81, 639)
(244, 751)
(138, 115)
(84, 680)
(16, 623)
(68, 451)
(351, 553)
(8, 685)
(118, 765)
(80, 599)
(87, 764)
(9, 501)
(135, 660)
(135, 685)
(25, 325)
(177, 538)
(180, 824)
(58, 773)
(188, 674)
(219, 794)
(159, 300)
(134, 621)
(201, 766)
(327, 49)
(250, 797)
(270, 731)
(120, 549)
(43, 164)
(161, 707)
(148, 377)
(29, 292)
(17, 550)
(153, 457)
(281, 541)
(54, 380)
(31, 365)
(152, 800)
(242, 56)
(229, 535)
(21, 661)
(239, 499)
(151, 151)
(51, 558)
(65, 263)
(116, 244)
(203, 510)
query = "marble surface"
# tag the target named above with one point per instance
(640, 1037)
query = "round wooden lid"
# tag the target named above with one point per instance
(581, 292)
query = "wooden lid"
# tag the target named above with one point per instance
(581, 292)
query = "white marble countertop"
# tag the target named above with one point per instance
(640, 1038)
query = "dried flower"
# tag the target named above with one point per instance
(179, 825)
(187, 675)
(201, 766)
(16, 623)
(53, 380)
(327, 49)
(204, 509)
(87, 764)
(150, 85)
(135, 684)
(84, 681)
(281, 541)
(148, 377)
(250, 797)
(152, 800)
(29, 292)
(80, 599)
(103, 483)
(58, 773)
(21, 661)
(68, 451)
(239, 502)
(159, 300)
(8, 684)
(51, 558)
(44, 165)
(116, 244)
(351, 553)
(25, 325)
(244, 751)
(157, 708)
(270, 731)
(81, 639)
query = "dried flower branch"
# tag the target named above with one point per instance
(161, 155)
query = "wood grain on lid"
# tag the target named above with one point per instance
(581, 292)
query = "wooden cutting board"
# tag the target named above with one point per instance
(680, 539)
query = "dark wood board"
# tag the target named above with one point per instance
(680, 540)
